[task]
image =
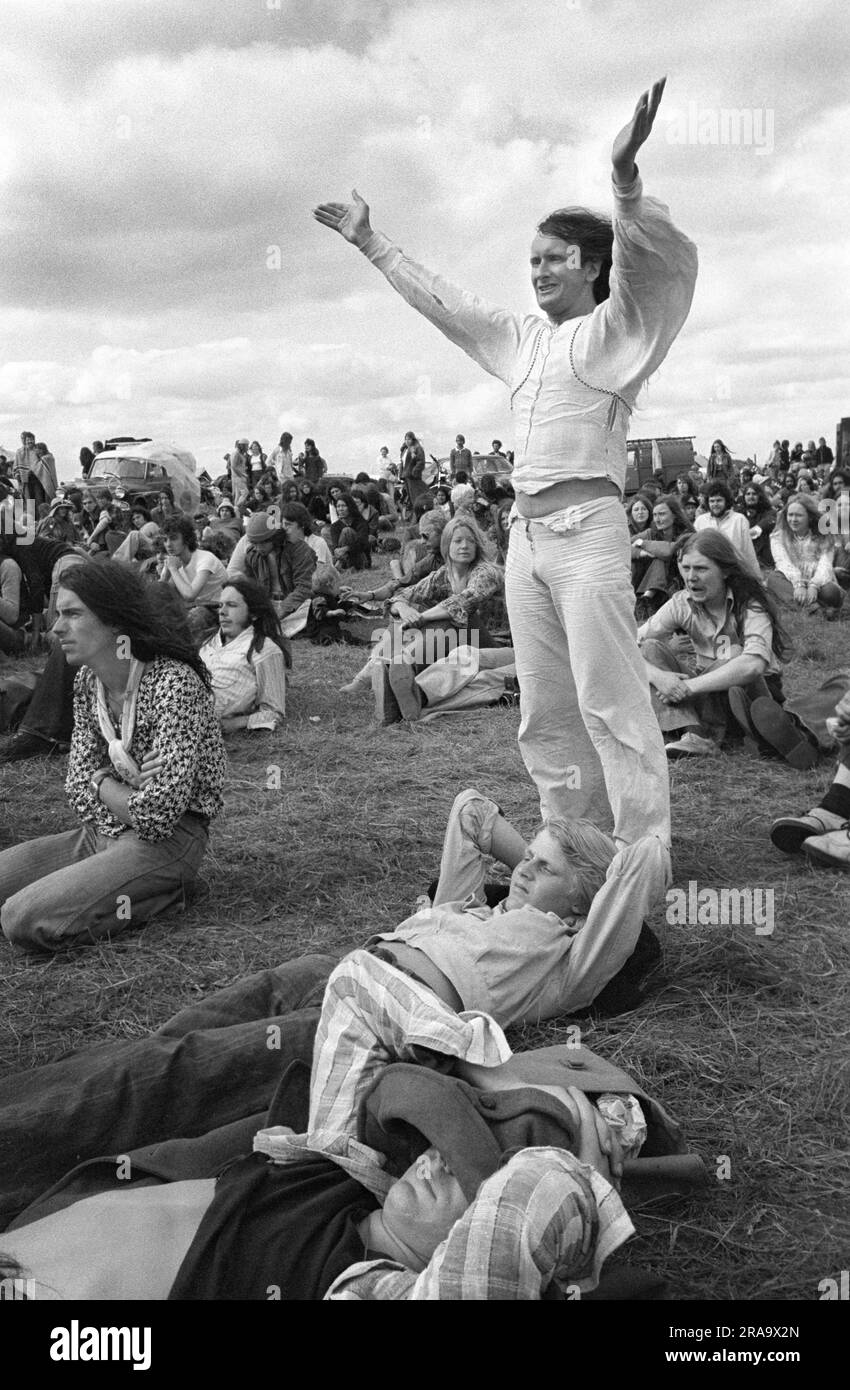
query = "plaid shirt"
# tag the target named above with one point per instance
(543, 1217)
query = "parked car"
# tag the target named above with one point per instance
(141, 469)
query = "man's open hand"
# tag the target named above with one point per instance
(351, 220)
(633, 135)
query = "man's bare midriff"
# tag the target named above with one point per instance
(412, 959)
(569, 493)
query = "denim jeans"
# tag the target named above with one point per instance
(211, 1066)
(588, 735)
(82, 885)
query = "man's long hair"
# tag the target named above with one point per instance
(264, 619)
(746, 589)
(146, 614)
(592, 233)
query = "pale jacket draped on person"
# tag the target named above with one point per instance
(247, 659)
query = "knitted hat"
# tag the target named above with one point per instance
(261, 527)
(409, 1108)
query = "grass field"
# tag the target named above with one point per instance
(745, 1039)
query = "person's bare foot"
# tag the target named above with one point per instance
(355, 687)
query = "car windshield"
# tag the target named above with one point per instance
(123, 467)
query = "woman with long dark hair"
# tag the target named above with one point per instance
(755, 506)
(349, 535)
(145, 771)
(728, 663)
(247, 659)
(655, 574)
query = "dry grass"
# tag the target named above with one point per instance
(745, 1039)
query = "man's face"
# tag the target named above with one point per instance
(558, 276)
(84, 639)
(423, 1204)
(716, 504)
(544, 878)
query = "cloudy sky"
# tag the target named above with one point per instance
(160, 272)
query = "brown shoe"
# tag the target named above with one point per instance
(386, 705)
(404, 688)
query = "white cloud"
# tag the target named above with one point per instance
(151, 153)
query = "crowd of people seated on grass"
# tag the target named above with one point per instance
(791, 520)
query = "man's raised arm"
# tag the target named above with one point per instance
(488, 335)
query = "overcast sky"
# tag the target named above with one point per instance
(160, 272)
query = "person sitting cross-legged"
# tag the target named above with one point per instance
(713, 649)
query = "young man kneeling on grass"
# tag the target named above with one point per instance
(571, 919)
(407, 1183)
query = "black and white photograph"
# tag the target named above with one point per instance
(425, 666)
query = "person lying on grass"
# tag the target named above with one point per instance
(408, 1183)
(713, 649)
(570, 923)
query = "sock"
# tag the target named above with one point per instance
(837, 800)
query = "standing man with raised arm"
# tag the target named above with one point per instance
(614, 299)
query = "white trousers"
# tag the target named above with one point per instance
(588, 735)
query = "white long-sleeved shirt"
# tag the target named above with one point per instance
(573, 385)
(735, 527)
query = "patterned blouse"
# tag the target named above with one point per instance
(483, 581)
(175, 716)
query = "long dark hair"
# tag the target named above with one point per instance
(763, 502)
(264, 619)
(592, 234)
(154, 623)
(681, 522)
(746, 589)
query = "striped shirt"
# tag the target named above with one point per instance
(544, 1216)
(256, 687)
